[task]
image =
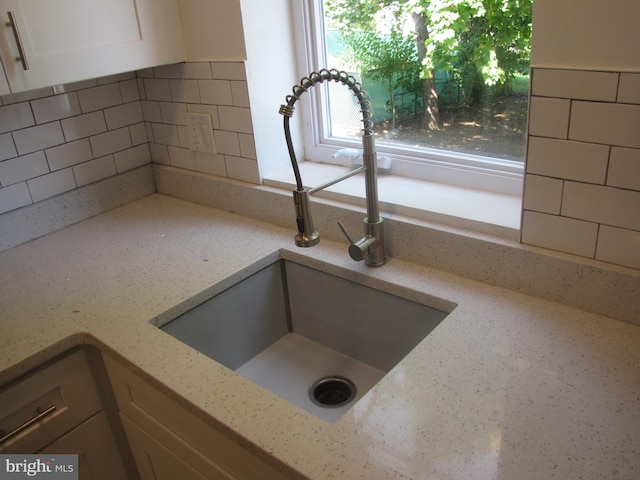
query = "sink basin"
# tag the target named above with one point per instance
(288, 327)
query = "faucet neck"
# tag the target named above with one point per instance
(369, 159)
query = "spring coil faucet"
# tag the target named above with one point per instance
(370, 247)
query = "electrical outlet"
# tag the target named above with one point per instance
(200, 131)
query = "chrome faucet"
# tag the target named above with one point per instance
(370, 247)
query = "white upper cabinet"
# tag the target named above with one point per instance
(51, 42)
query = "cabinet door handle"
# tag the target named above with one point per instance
(40, 415)
(22, 58)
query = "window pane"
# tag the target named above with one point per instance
(450, 77)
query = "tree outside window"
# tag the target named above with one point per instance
(446, 74)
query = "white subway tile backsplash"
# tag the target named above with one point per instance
(616, 245)
(549, 117)
(228, 70)
(184, 136)
(57, 107)
(38, 138)
(149, 128)
(146, 73)
(629, 88)
(240, 94)
(166, 134)
(123, 115)
(624, 168)
(69, 154)
(173, 113)
(7, 147)
(182, 158)
(212, 164)
(186, 91)
(129, 91)
(599, 123)
(51, 184)
(235, 119)
(110, 142)
(168, 71)
(196, 70)
(600, 204)
(575, 84)
(28, 95)
(23, 168)
(216, 92)
(132, 158)
(585, 162)
(560, 233)
(157, 89)
(98, 98)
(243, 169)
(543, 194)
(151, 111)
(74, 86)
(15, 117)
(94, 170)
(14, 196)
(227, 143)
(160, 153)
(118, 77)
(61, 147)
(222, 93)
(138, 134)
(247, 146)
(606, 123)
(83, 126)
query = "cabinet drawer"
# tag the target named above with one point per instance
(157, 414)
(64, 390)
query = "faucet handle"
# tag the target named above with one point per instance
(346, 232)
(357, 250)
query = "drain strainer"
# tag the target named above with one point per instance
(332, 392)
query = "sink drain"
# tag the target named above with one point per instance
(332, 392)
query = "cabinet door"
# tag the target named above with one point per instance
(93, 442)
(60, 41)
(149, 414)
(168, 457)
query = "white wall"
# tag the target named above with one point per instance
(213, 30)
(271, 74)
(586, 34)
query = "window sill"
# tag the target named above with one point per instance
(450, 205)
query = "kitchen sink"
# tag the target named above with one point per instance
(315, 339)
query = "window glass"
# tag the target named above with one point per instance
(443, 76)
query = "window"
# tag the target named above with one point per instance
(459, 120)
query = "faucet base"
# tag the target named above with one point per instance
(304, 240)
(376, 256)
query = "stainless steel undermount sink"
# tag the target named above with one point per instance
(317, 340)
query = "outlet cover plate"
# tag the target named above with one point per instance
(200, 132)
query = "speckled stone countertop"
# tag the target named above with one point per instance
(507, 386)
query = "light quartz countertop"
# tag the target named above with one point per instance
(508, 386)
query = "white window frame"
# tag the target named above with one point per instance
(434, 165)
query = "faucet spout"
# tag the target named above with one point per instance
(370, 247)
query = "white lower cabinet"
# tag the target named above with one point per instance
(169, 441)
(93, 442)
(58, 409)
(170, 459)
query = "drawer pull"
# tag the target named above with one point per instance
(41, 414)
(22, 58)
